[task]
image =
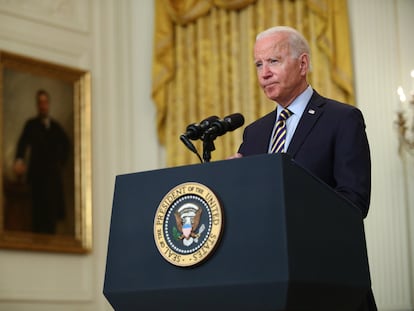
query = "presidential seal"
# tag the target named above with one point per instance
(188, 224)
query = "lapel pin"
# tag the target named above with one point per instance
(311, 111)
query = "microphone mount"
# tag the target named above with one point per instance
(208, 130)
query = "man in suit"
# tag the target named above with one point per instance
(322, 135)
(49, 147)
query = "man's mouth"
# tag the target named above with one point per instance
(269, 85)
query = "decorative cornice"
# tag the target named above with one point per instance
(68, 14)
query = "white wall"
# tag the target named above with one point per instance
(113, 39)
(383, 58)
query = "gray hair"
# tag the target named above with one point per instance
(297, 41)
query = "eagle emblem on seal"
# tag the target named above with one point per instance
(187, 219)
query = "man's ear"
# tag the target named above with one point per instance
(304, 62)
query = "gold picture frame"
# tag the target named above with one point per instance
(64, 225)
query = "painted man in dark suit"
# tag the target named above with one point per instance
(322, 135)
(48, 147)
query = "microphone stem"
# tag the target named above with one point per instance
(208, 147)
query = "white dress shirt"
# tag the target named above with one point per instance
(296, 107)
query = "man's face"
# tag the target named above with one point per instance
(281, 76)
(43, 105)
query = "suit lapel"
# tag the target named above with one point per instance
(264, 131)
(309, 118)
(268, 128)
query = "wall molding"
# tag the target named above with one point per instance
(70, 15)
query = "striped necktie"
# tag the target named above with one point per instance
(279, 135)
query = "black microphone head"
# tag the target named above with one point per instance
(229, 123)
(188, 143)
(234, 121)
(207, 122)
(195, 131)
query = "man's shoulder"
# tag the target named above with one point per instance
(32, 121)
(266, 119)
(335, 111)
(330, 104)
(54, 122)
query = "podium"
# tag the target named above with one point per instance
(289, 242)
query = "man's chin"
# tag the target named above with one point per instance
(271, 94)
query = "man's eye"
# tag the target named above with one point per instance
(273, 61)
(258, 65)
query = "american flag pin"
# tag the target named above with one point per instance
(311, 111)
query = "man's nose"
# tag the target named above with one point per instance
(265, 72)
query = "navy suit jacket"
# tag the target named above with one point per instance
(329, 141)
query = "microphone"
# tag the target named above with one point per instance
(227, 124)
(195, 130)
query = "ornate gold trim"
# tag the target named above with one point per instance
(80, 80)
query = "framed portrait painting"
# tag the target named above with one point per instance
(45, 138)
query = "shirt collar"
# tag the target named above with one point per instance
(299, 104)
